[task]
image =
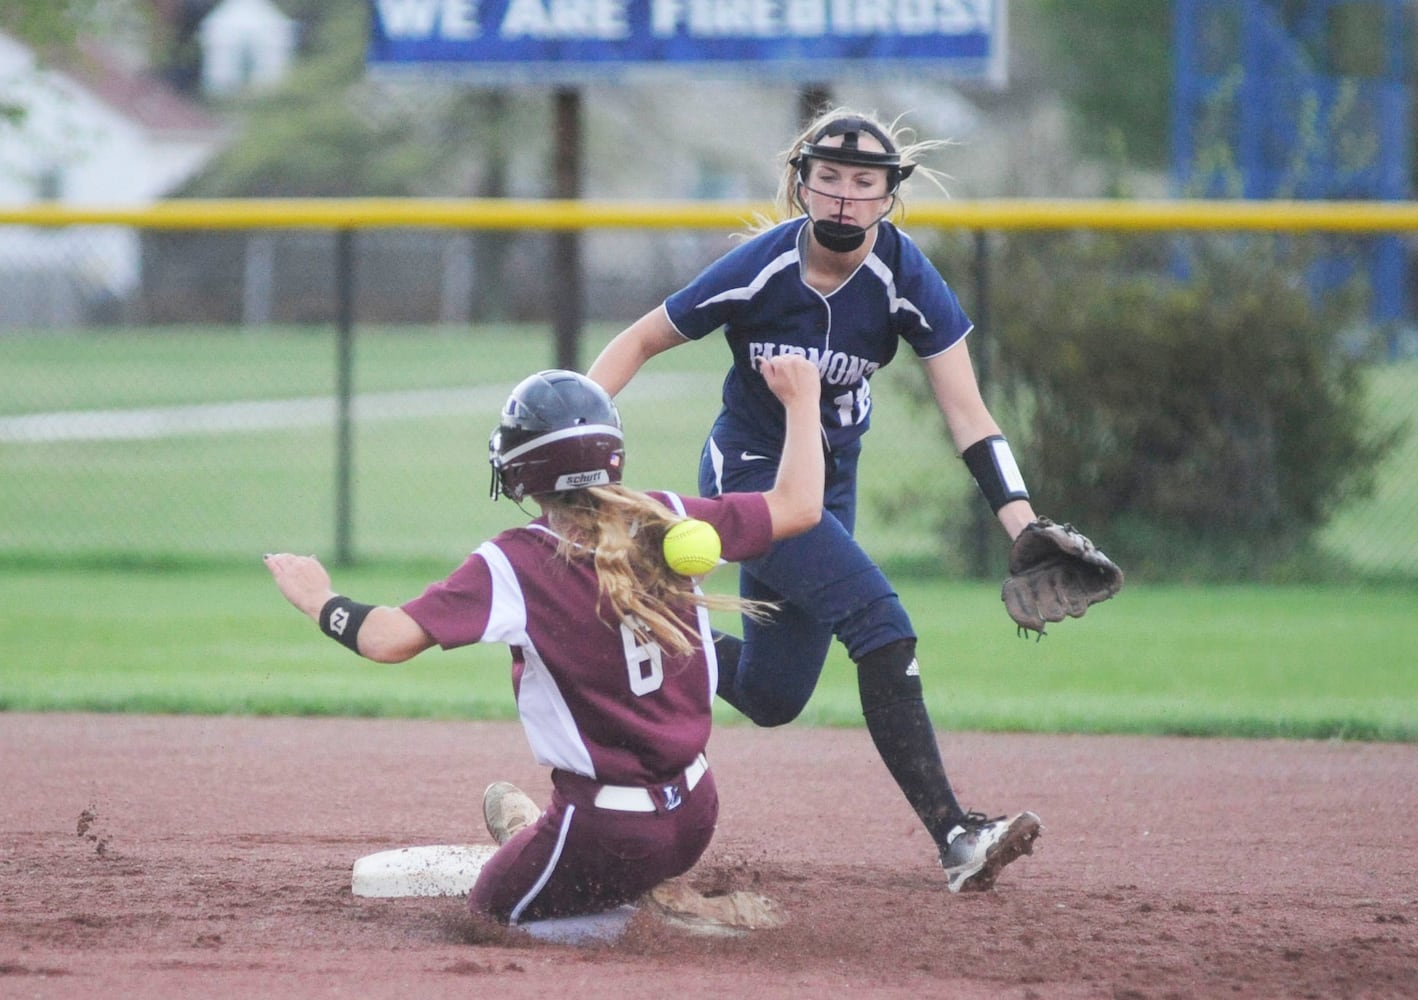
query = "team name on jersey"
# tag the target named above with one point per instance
(835, 367)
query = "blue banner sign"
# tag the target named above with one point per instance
(586, 40)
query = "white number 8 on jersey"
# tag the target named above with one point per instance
(643, 662)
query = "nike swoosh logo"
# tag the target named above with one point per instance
(747, 457)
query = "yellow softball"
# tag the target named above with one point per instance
(692, 547)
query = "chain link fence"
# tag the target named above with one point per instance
(174, 395)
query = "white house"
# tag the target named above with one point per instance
(92, 132)
(245, 44)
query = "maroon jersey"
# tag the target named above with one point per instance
(593, 699)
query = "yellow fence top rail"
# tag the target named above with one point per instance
(510, 214)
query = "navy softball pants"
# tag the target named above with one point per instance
(824, 581)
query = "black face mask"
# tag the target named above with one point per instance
(842, 237)
(839, 237)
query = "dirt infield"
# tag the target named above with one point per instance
(180, 857)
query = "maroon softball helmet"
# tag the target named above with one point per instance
(559, 431)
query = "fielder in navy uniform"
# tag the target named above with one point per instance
(840, 285)
(614, 664)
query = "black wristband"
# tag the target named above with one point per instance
(992, 464)
(341, 619)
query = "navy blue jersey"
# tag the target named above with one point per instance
(756, 293)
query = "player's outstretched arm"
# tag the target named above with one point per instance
(619, 360)
(380, 633)
(795, 501)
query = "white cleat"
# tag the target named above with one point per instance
(977, 848)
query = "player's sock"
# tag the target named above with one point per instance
(892, 702)
(728, 649)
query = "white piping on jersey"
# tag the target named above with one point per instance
(801, 243)
(884, 274)
(664, 308)
(546, 874)
(550, 727)
(546, 529)
(677, 502)
(878, 268)
(716, 459)
(968, 330)
(785, 259)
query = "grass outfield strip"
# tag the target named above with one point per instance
(1301, 662)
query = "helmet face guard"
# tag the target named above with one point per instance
(837, 236)
(559, 431)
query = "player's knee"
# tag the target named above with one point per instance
(766, 709)
(776, 713)
(876, 624)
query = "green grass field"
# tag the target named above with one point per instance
(131, 579)
(1301, 662)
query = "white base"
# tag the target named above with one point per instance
(451, 870)
(435, 870)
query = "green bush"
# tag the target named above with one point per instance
(1194, 402)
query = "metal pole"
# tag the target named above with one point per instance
(566, 244)
(344, 393)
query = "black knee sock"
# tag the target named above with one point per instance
(727, 649)
(890, 687)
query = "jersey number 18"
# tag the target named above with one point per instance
(853, 407)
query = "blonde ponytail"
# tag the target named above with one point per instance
(623, 531)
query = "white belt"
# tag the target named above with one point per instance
(625, 798)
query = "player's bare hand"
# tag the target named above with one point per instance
(302, 579)
(792, 377)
